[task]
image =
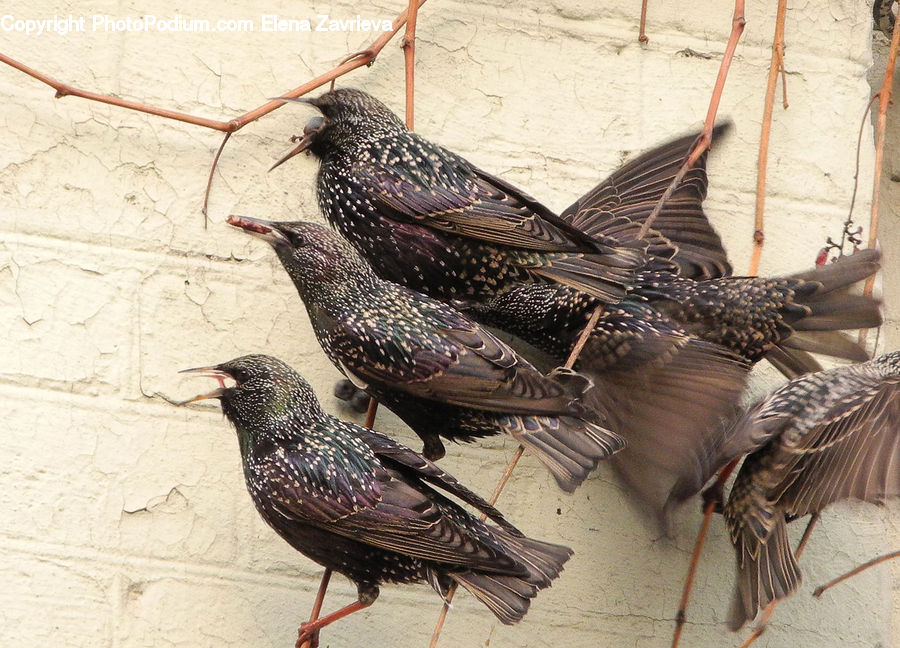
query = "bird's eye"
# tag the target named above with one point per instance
(314, 125)
(296, 239)
(239, 375)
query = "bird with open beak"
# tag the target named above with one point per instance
(439, 371)
(358, 503)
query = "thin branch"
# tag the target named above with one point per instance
(705, 138)
(348, 64)
(409, 57)
(713, 496)
(317, 606)
(853, 572)
(212, 171)
(770, 608)
(884, 99)
(357, 60)
(776, 63)
(570, 362)
(642, 35)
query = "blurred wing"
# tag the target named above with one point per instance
(632, 191)
(667, 394)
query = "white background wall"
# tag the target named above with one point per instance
(125, 519)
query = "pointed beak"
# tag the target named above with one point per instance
(303, 143)
(266, 230)
(209, 372)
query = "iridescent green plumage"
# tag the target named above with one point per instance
(357, 502)
(441, 372)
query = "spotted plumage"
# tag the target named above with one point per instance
(430, 220)
(442, 373)
(356, 502)
(679, 338)
(820, 438)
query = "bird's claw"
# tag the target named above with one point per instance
(355, 397)
(307, 637)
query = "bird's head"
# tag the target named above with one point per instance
(315, 257)
(349, 117)
(263, 394)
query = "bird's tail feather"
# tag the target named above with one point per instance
(569, 447)
(767, 571)
(508, 597)
(830, 309)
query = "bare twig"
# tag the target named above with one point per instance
(642, 36)
(570, 362)
(409, 56)
(317, 606)
(212, 172)
(705, 138)
(884, 99)
(775, 65)
(350, 63)
(713, 497)
(853, 572)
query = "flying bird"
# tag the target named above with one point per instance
(820, 438)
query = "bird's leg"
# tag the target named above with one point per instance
(309, 630)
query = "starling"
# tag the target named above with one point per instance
(439, 371)
(677, 338)
(358, 503)
(820, 438)
(426, 218)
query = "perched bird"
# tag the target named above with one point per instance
(685, 337)
(439, 371)
(426, 218)
(820, 438)
(358, 503)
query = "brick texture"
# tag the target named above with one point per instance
(125, 519)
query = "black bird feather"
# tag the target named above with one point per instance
(441, 372)
(426, 218)
(359, 503)
(820, 438)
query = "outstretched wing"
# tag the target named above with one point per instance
(632, 191)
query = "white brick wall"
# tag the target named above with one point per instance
(125, 520)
